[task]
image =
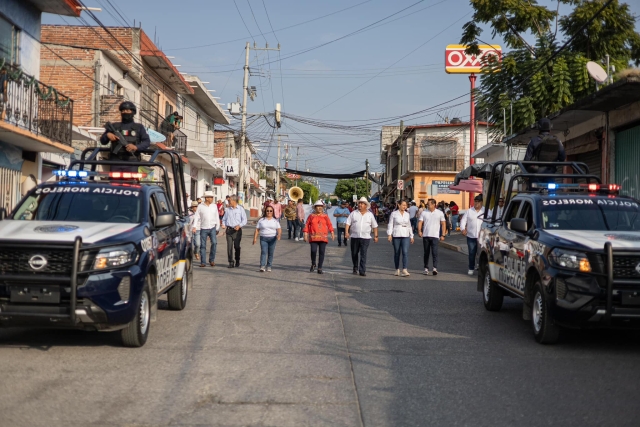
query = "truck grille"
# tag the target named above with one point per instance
(16, 261)
(626, 267)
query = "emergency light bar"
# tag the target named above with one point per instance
(602, 188)
(111, 175)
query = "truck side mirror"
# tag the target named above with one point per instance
(166, 219)
(519, 225)
(3, 214)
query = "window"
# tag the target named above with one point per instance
(198, 127)
(161, 202)
(9, 42)
(439, 154)
(511, 212)
(114, 87)
(526, 213)
(168, 109)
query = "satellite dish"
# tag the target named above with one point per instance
(596, 72)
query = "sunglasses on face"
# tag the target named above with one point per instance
(269, 210)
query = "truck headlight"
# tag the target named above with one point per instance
(115, 257)
(570, 259)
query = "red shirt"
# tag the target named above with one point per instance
(318, 227)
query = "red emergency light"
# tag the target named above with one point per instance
(127, 175)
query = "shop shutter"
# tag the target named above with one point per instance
(593, 160)
(627, 161)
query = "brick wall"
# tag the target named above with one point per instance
(221, 140)
(109, 111)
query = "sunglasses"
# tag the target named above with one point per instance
(269, 210)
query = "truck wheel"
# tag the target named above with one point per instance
(177, 296)
(544, 330)
(492, 295)
(137, 331)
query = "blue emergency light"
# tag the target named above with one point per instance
(552, 186)
(71, 173)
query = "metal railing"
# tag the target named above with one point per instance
(434, 164)
(176, 139)
(32, 105)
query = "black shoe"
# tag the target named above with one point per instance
(363, 274)
(345, 243)
(231, 265)
(339, 245)
(237, 263)
(320, 271)
(355, 270)
(313, 267)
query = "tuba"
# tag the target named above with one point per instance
(295, 193)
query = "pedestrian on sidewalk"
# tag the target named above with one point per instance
(291, 214)
(360, 224)
(341, 214)
(454, 215)
(234, 219)
(432, 228)
(400, 233)
(195, 240)
(300, 213)
(268, 228)
(208, 221)
(316, 232)
(470, 226)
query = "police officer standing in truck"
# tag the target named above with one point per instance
(544, 148)
(134, 134)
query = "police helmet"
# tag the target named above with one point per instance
(128, 105)
(544, 124)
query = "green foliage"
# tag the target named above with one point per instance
(535, 87)
(344, 188)
(309, 190)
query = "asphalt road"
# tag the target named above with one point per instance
(290, 348)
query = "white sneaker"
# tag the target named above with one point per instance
(426, 272)
(397, 273)
(435, 272)
(470, 272)
(262, 269)
(405, 273)
(296, 239)
(269, 269)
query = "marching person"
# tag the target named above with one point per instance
(316, 232)
(359, 226)
(208, 222)
(134, 134)
(400, 233)
(341, 214)
(432, 228)
(300, 214)
(291, 214)
(234, 219)
(195, 240)
(277, 209)
(269, 229)
(470, 227)
(413, 212)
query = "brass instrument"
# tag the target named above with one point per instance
(295, 193)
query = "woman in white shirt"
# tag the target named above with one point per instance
(269, 230)
(400, 233)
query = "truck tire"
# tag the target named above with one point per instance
(492, 295)
(137, 331)
(544, 330)
(177, 295)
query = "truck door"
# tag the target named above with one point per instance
(167, 246)
(507, 245)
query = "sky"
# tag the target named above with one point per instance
(393, 67)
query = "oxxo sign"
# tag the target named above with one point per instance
(456, 61)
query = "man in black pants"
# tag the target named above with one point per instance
(360, 224)
(234, 219)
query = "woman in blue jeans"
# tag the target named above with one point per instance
(400, 233)
(269, 230)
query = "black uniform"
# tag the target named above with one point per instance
(532, 148)
(134, 133)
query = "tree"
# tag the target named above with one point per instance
(527, 79)
(309, 190)
(344, 188)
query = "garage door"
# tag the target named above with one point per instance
(593, 159)
(628, 161)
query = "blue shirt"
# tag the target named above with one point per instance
(342, 211)
(234, 217)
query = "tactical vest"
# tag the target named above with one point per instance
(132, 136)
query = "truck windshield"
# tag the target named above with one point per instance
(590, 214)
(86, 205)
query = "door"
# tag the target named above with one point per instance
(167, 244)
(627, 161)
(509, 245)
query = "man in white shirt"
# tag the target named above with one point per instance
(207, 220)
(499, 209)
(470, 227)
(413, 210)
(195, 241)
(430, 226)
(361, 222)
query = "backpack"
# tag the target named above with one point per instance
(547, 150)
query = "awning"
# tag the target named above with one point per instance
(480, 170)
(201, 161)
(470, 185)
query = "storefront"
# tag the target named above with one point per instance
(627, 155)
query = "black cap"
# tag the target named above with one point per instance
(478, 198)
(544, 125)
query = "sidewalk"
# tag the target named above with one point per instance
(456, 242)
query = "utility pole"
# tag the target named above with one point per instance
(278, 167)
(367, 164)
(243, 127)
(297, 155)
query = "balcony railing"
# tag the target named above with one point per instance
(32, 105)
(435, 164)
(176, 139)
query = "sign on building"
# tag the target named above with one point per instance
(229, 167)
(401, 184)
(293, 176)
(443, 187)
(458, 62)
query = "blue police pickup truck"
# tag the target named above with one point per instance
(567, 245)
(95, 250)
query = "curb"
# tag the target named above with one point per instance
(451, 246)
